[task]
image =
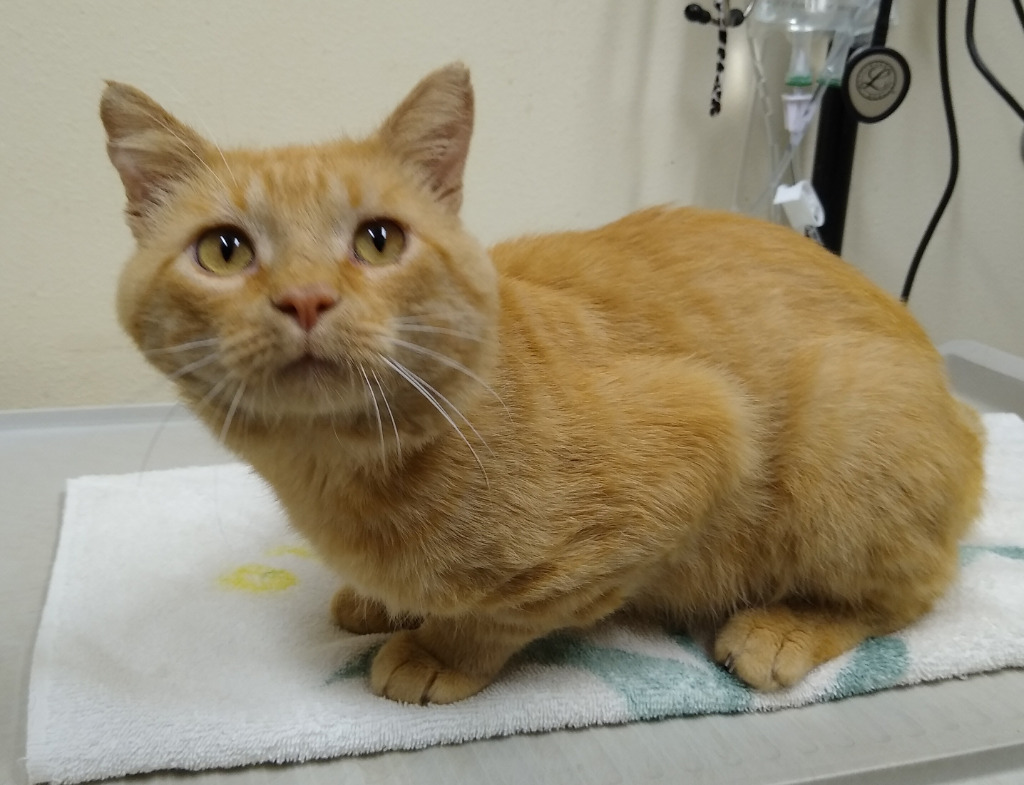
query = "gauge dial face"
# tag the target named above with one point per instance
(876, 82)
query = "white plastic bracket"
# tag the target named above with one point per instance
(801, 204)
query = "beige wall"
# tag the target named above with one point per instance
(971, 282)
(586, 110)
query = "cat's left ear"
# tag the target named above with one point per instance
(431, 129)
(149, 147)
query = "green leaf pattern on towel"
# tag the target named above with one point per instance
(968, 553)
(356, 668)
(874, 665)
(653, 687)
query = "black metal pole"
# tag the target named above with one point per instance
(833, 165)
(834, 149)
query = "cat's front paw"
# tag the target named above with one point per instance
(353, 612)
(766, 655)
(405, 671)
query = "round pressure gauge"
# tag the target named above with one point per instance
(875, 83)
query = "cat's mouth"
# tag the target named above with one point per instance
(311, 366)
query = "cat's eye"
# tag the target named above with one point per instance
(377, 242)
(224, 251)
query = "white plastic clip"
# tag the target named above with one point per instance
(798, 113)
(802, 206)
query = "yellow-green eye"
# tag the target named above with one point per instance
(224, 251)
(380, 241)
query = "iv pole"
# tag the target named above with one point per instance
(875, 79)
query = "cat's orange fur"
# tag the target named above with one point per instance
(687, 415)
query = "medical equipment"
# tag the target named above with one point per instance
(861, 80)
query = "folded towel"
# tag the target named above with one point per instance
(186, 627)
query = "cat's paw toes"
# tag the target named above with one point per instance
(767, 650)
(361, 615)
(405, 671)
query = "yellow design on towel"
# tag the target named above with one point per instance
(258, 578)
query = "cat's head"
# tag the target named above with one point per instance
(331, 279)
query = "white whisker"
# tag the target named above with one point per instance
(193, 366)
(209, 138)
(416, 318)
(411, 378)
(223, 158)
(394, 425)
(427, 328)
(181, 347)
(231, 174)
(438, 394)
(454, 364)
(376, 411)
(213, 392)
(156, 435)
(231, 410)
(188, 147)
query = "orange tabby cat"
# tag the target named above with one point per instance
(685, 415)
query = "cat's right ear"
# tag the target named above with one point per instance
(150, 149)
(430, 131)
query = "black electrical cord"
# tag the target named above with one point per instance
(972, 49)
(954, 139)
(954, 156)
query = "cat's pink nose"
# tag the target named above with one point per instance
(305, 304)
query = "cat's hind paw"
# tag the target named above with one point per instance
(405, 671)
(773, 648)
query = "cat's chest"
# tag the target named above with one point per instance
(398, 540)
(413, 557)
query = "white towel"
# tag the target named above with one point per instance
(186, 627)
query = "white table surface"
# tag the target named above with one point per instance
(969, 731)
